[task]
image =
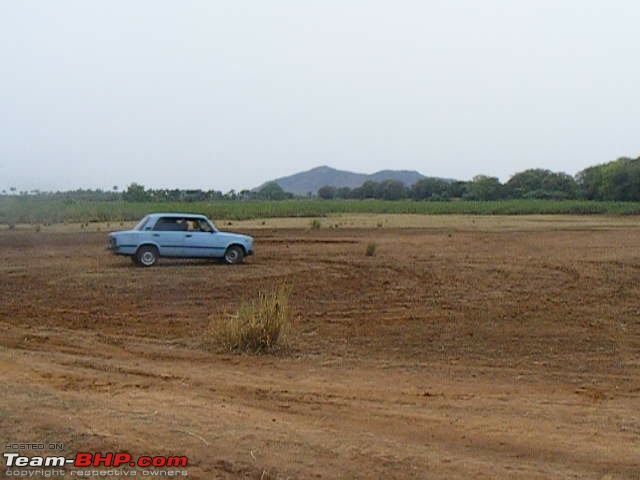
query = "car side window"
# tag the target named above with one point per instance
(171, 224)
(192, 225)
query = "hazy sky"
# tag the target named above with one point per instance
(228, 94)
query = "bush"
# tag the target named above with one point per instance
(315, 224)
(371, 249)
(259, 326)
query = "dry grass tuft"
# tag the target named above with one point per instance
(259, 326)
(371, 249)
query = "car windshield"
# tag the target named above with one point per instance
(141, 223)
(204, 226)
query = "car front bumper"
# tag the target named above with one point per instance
(119, 249)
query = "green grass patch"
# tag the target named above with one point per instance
(43, 211)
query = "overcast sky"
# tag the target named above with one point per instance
(228, 94)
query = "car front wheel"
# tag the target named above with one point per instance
(234, 254)
(147, 256)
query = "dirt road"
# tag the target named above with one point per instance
(455, 352)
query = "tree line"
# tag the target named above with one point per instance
(614, 181)
(618, 180)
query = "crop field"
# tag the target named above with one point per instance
(35, 210)
(464, 347)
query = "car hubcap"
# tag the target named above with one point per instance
(148, 258)
(232, 256)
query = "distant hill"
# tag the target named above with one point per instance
(311, 180)
(408, 177)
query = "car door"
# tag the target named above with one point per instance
(168, 233)
(201, 240)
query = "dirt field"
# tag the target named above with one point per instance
(475, 348)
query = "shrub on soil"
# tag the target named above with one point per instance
(259, 326)
(371, 249)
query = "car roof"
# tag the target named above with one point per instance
(174, 214)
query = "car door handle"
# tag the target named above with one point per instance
(189, 235)
(156, 234)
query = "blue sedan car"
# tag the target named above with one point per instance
(180, 235)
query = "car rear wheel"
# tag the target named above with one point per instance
(234, 254)
(147, 256)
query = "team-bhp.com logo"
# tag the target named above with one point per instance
(115, 460)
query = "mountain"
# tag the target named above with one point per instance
(311, 180)
(408, 177)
